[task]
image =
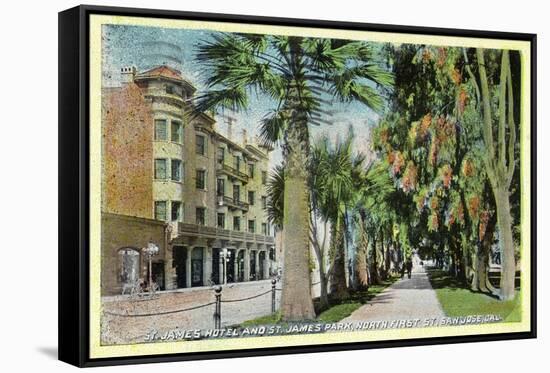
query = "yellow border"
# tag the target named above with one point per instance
(98, 351)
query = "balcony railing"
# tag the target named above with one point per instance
(195, 230)
(232, 172)
(232, 203)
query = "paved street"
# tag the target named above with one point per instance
(123, 330)
(405, 299)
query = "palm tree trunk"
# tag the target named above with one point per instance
(383, 266)
(387, 257)
(338, 284)
(361, 269)
(319, 248)
(375, 275)
(296, 299)
(323, 298)
(361, 258)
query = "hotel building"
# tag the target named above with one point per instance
(174, 179)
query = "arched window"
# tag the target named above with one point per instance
(128, 259)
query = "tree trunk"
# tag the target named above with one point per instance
(375, 275)
(382, 265)
(507, 258)
(361, 270)
(465, 262)
(319, 248)
(296, 299)
(480, 270)
(499, 166)
(338, 284)
(361, 267)
(452, 264)
(481, 258)
(387, 259)
(323, 297)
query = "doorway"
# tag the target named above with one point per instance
(158, 273)
(240, 266)
(261, 265)
(216, 266)
(230, 265)
(197, 266)
(252, 265)
(180, 263)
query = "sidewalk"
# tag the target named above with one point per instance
(405, 299)
(125, 330)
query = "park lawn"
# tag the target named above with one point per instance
(458, 300)
(274, 318)
(337, 311)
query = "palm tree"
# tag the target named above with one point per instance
(297, 74)
(375, 209)
(332, 174)
(339, 174)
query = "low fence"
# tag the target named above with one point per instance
(217, 316)
(219, 300)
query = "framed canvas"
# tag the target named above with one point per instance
(233, 186)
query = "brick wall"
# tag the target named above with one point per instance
(127, 133)
(118, 231)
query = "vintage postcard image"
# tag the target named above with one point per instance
(268, 186)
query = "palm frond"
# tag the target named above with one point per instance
(273, 126)
(235, 99)
(275, 193)
(348, 89)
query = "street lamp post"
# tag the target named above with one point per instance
(150, 250)
(226, 255)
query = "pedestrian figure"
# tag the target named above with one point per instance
(409, 266)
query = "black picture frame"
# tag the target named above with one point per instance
(74, 190)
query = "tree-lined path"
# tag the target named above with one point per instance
(406, 299)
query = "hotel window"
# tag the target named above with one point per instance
(236, 223)
(169, 89)
(176, 211)
(221, 155)
(201, 216)
(251, 170)
(201, 179)
(251, 226)
(160, 130)
(251, 197)
(264, 229)
(237, 162)
(176, 132)
(200, 142)
(264, 202)
(160, 210)
(264, 177)
(221, 220)
(236, 192)
(160, 169)
(176, 170)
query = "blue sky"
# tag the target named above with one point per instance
(145, 47)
